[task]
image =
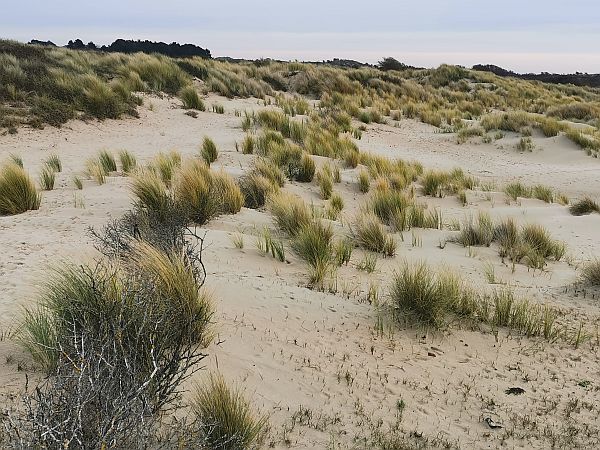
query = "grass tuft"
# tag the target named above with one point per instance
(17, 191)
(227, 421)
(591, 273)
(584, 206)
(190, 98)
(47, 178)
(371, 235)
(128, 161)
(209, 150)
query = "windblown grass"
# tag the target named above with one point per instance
(54, 163)
(209, 150)
(313, 243)
(17, 191)
(128, 161)
(591, 273)
(584, 206)
(190, 98)
(47, 178)
(107, 162)
(151, 192)
(203, 195)
(226, 418)
(370, 234)
(364, 181)
(290, 213)
(256, 189)
(166, 164)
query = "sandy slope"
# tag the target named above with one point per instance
(316, 362)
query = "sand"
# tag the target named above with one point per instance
(317, 363)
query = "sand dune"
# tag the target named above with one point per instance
(317, 362)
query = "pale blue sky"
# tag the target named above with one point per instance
(522, 35)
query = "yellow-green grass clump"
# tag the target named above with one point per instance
(17, 191)
(209, 151)
(128, 161)
(370, 234)
(227, 420)
(190, 98)
(584, 206)
(290, 212)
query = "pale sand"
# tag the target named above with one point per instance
(296, 348)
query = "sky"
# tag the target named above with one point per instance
(521, 35)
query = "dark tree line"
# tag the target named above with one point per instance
(173, 49)
(578, 78)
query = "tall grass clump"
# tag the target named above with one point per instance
(128, 161)
(364, 181)
(306, 169)
(248, 145)
(166, 164)
(430, 297)
(543, 193)
(17, 191)
(256, 189)
(150, 192)
(107, 162)
(584, 206)
(477, 233)
(517, 189)
(290, 212)
(539, 240)
(227, 421)
(47, 178)
(203, 195)
(209, 150)
(325, 181)
(313, 243)
(370, 234)
(269, 170)
(591, 273)
(190, 98)
(54, 163)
